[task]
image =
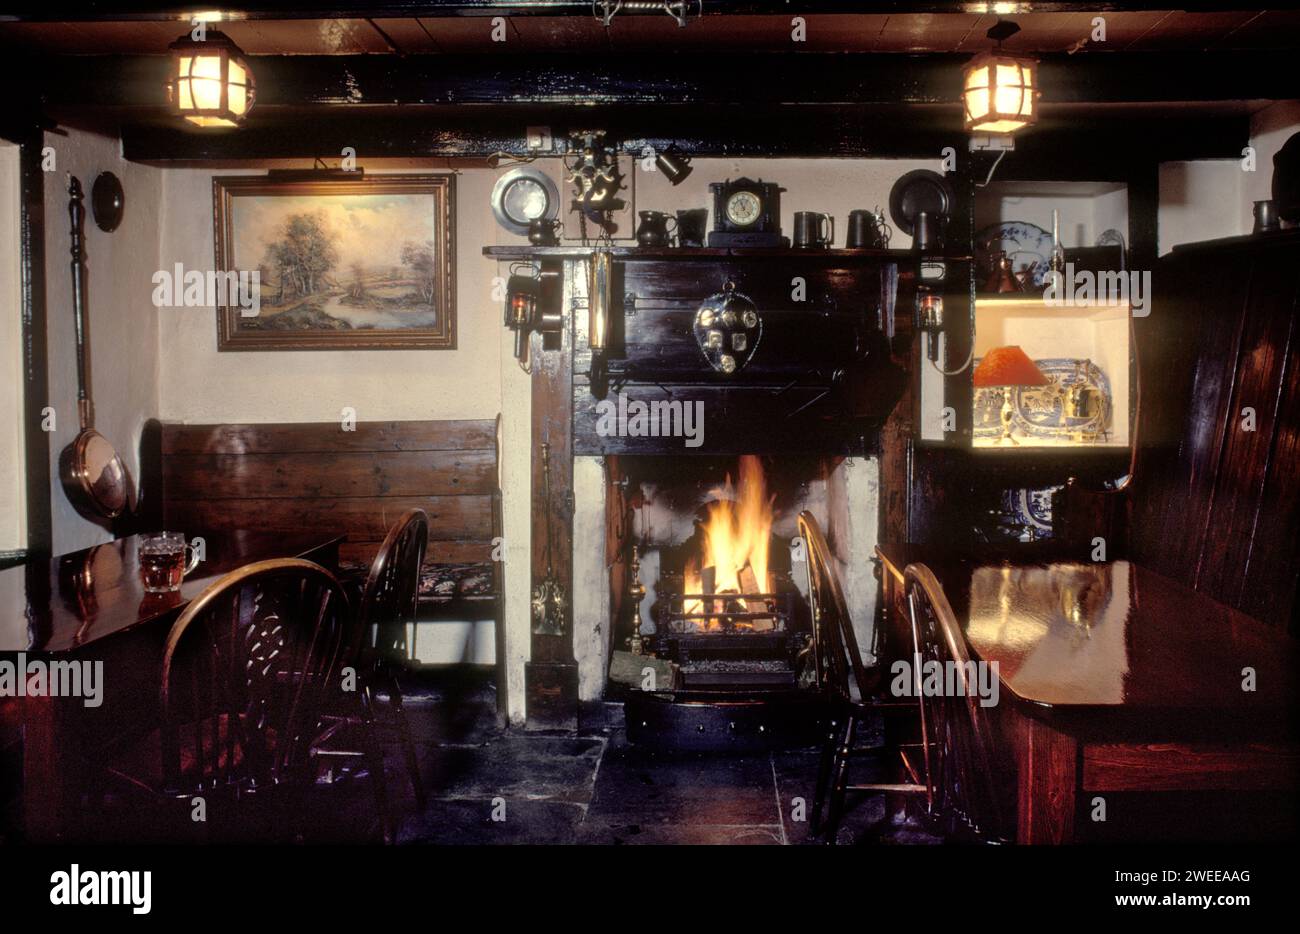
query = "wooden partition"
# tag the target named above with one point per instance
(1213, 501)
(287, 477)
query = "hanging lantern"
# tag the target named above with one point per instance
(211, 83)
(999, 90)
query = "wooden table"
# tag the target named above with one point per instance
(91, 605)
(1114, 678)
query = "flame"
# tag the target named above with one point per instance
(739, 529)
(692, 584)
(737, 534)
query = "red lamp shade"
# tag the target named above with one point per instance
(1008, 366)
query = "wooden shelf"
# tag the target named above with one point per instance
(526, 252)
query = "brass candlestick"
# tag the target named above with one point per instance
(636, 590)
(549, 601)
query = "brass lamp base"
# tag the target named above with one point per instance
(1008, 415)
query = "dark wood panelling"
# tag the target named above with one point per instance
(294, 475)
(753, 420)
(1273, 548)
(452, 435)
(551, 676)
(1212, 503)
(1258, 379)
(726, 76)
(290, 476)
(830, 26)
(1189, 767)
(35, 385)
(1047, 782)
(331, 37)
(450, 551)
(805, 339)
(821, 377)
(365, 518)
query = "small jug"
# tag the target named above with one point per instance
(653, 230)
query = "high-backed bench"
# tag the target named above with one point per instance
(1214, 500)
(290, 476)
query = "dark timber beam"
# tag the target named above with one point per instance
(746, 78)
(1094, 147)
(320, 9)
(36, 389)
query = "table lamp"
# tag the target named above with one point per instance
(1003, 368)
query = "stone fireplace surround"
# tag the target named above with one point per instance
(843, 494)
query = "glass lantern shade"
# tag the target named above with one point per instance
(998, 93)
(211, 83)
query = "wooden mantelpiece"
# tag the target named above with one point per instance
(825, 377)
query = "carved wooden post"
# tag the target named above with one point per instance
(551, 675)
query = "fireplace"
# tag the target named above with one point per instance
(709, 613)
(643, 433)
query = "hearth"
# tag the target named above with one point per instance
(711, 597)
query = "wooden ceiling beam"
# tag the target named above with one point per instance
(170, 10)
(1091, 147)
(723, 78)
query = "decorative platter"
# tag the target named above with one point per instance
(1027, 245)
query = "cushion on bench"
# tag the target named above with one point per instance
(439, 581)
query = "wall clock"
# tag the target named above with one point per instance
(746, 213)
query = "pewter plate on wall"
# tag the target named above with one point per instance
(523, 195)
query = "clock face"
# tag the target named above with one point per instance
(743, 208)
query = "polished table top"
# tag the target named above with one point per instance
(74, 600)
(1076, 635)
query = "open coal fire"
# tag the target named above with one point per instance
(726, 610)
(727, 581)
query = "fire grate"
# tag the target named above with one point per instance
(728, 613)
(729, 639)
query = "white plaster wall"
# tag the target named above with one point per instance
(1215, 198)
(854, 531)
(1201, 201)
(480, 378)
(516, 505)
(1269, 129)
(13, 516)
(200, 385)
(122, 323)
(1085, 209)
(1110, 212)
(591, 607)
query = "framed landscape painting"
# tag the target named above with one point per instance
(338, 264)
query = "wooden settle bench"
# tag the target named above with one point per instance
(283, 477)
(1213, 502)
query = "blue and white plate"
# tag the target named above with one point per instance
(1040, 410)
(1027, 245)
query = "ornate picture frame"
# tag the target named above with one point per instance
(340, 264)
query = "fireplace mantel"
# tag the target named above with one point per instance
(867, 293)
